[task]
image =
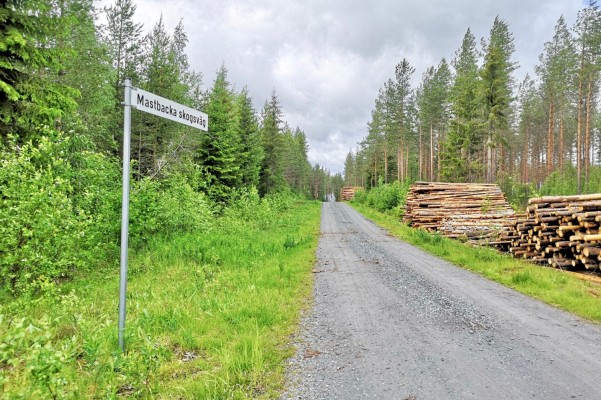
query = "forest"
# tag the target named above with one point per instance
(62, 67)
(469, 120)
(224, 223)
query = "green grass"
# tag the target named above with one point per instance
(552, 286)
(209, 316)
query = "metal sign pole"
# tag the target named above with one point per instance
(124, 209)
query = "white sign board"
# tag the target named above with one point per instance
(162, 107)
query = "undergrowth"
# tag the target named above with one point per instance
(209, 314)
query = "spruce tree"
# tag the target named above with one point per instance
(29, 60)
(124, 41)
(464, 140)
(220, 146)
(271, 176)
(496, 93)
(251, 150)
(87, 66)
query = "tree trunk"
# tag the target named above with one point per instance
(489, 160)
(562, 145)
(407, 162)
(579, 138)
(579, 119)
(431, 152)
(550, 137)
(587, 130)
(440, 153)
(419, 172)
(385, 163)
(525, 163)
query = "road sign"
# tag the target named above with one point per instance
(162, 107)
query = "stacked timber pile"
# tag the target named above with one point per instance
(471, 211)
(348, 193)
(562, 231)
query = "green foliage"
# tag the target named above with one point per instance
(61, 211)
(220, 147)
(66, 352)
(224, 298)
(389, 197)
(29, 345)
(271, 177)
(251, 151)
(29, 62)
(166, 207)
(517, 193)
(39, 233)
(563, 183)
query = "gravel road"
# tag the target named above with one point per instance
(392, 322)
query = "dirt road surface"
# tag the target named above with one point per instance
(392, 322)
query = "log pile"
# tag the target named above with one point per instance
(478, 213)
(347, 193)
(562, 231)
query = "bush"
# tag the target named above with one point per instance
(248, 207)
(39, 232)
(166, 207)
(389, 197)
(61, 211)
(565, 182)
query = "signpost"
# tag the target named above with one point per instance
(162, 107)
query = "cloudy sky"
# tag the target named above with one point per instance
(327, 59)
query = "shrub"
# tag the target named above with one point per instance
(387, 197)
(39, 232)
(166, 207)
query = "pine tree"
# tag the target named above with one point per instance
(588, 34)
(556, 72)
(531, 131)
(403, 72)
(350, 169)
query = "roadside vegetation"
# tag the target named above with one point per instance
(210, 313)
(555, 287)
(223, 225)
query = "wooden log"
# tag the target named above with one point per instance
(564, 199)
(591, 238)
(591, 251)
(557, 263)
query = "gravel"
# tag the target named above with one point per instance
(392, 322)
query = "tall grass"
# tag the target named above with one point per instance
(552, 286)
(209, 315)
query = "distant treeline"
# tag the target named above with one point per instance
(468, 120)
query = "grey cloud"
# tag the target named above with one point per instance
(327, 59)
